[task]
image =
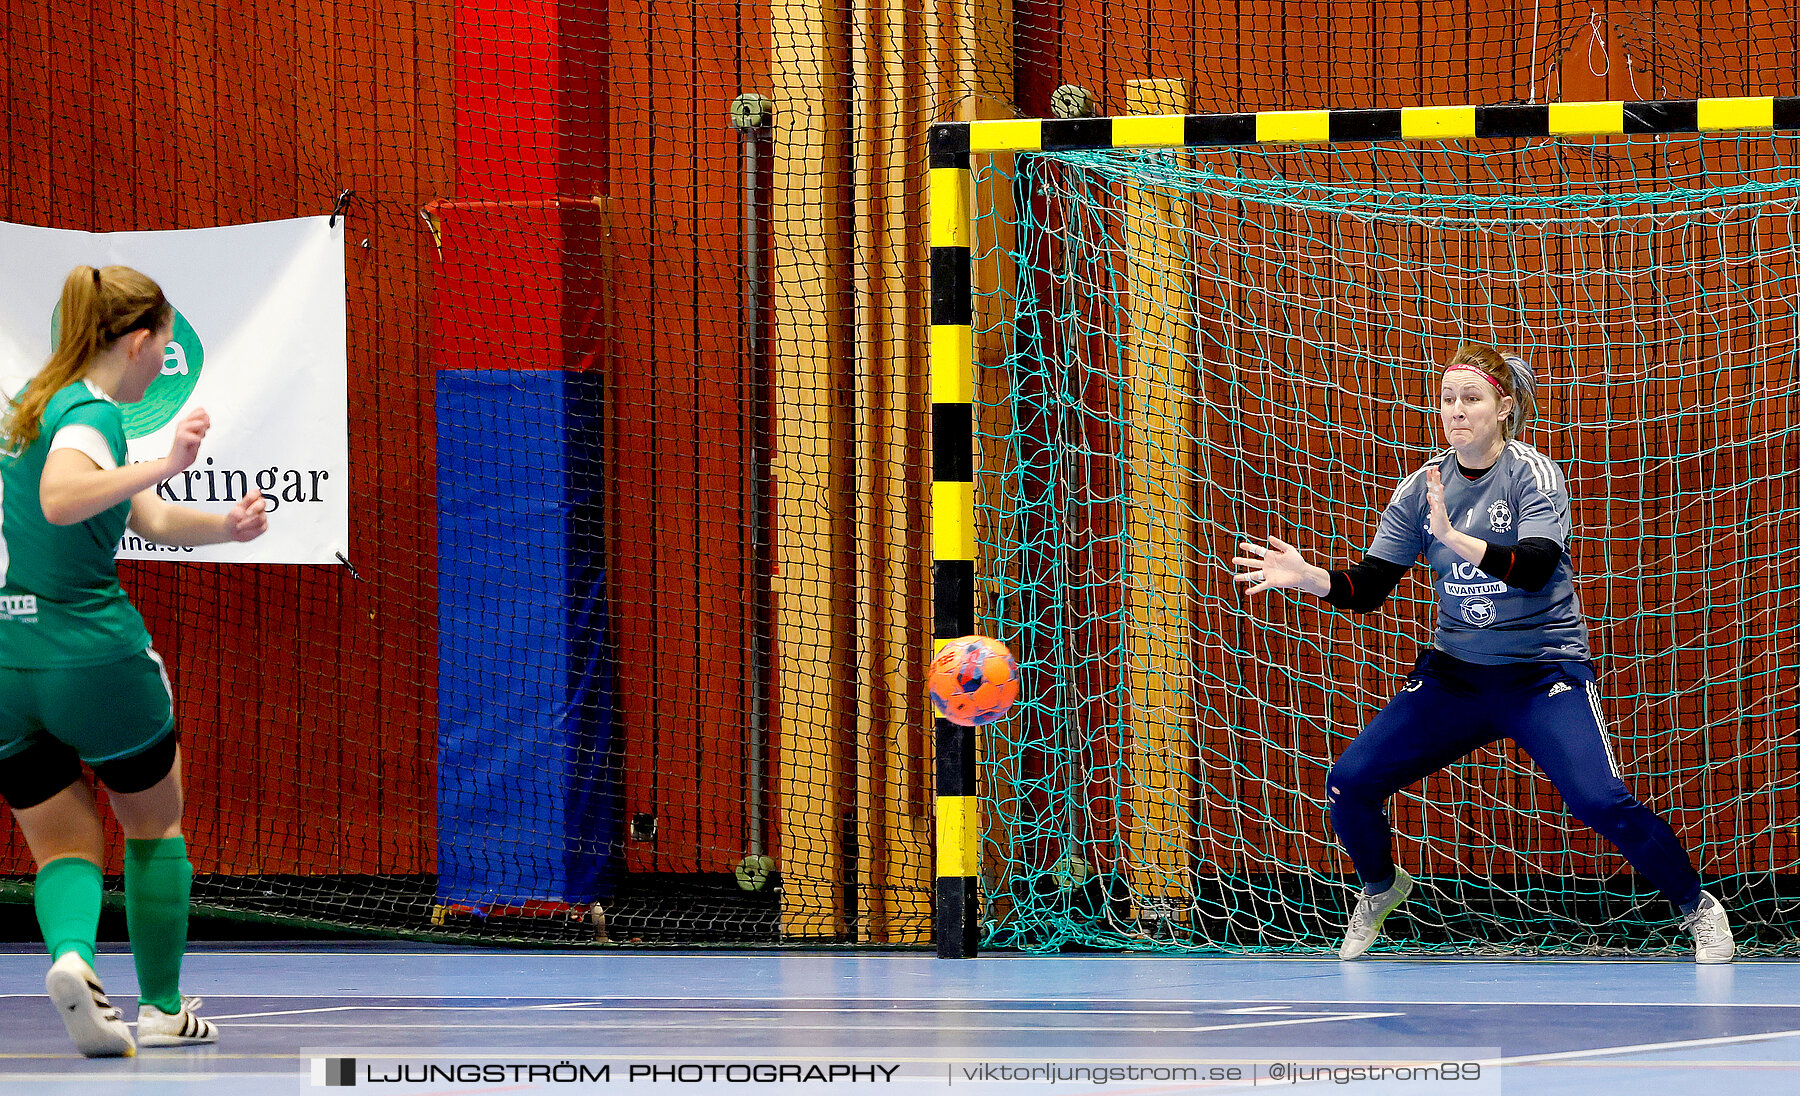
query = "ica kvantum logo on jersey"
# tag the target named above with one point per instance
(173, 387)
(1468, 580)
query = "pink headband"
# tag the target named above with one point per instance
(1482, 373)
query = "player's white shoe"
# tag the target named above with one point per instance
(94, 1024)
(157, 1028)
(1371, 910)
(1712, 931)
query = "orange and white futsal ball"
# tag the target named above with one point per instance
(974, 680)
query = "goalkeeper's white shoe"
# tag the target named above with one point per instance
(1371, 910)
(157, 1028)
(93, 1023)
(1712, 931)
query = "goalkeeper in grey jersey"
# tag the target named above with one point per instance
(1510, 659)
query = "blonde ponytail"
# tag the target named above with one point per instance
(1524, 394)
(99, 307)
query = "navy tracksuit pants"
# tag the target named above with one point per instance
(1448, 708)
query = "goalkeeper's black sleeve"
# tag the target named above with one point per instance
(1527, 564)
(1365, 585)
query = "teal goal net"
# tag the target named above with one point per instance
(1178, 348)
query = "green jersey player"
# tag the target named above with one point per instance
(79, 680)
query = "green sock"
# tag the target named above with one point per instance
(158, 879)
(67, 897)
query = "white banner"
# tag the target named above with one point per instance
(259, 342)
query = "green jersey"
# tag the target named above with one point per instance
(60, 600)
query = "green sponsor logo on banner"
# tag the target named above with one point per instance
(170, 391)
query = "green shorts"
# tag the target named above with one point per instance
(101, 712)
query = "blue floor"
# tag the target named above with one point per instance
(1540, 1026)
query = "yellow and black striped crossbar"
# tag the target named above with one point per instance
(1509, 120)
(956, 911)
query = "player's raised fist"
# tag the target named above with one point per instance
(189, 432)
(249, 518)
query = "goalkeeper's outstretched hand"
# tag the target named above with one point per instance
(1280, 566)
